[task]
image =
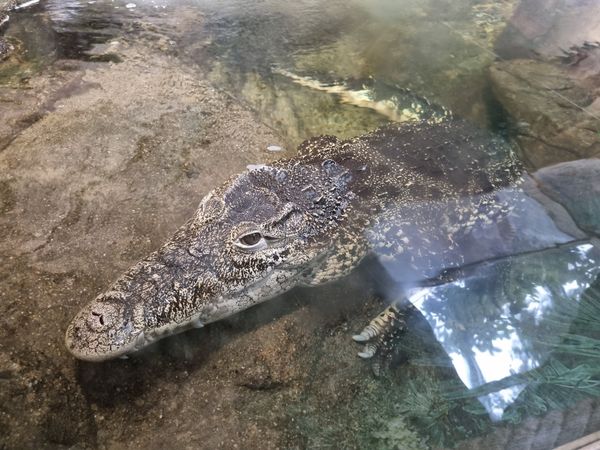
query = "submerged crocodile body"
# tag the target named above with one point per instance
(423, 198)
(394, 102)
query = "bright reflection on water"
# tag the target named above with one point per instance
(513, 330)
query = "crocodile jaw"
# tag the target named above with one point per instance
(86, 342)
(250, 240)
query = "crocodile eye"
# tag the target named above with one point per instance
(251, 241)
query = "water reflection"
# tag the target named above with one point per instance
(505, 276)
(468, 230)
(496, 322)
(52, 30)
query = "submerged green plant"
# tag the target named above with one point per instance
(555, 386)
(396, 434)
(445, 411)
(445, 422)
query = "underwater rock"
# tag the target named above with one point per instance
(555, 106)
(547, 78)
(5, 6)
(571, 185)
(58, 411)
(6, 48)
(547, 27)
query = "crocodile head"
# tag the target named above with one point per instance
(251, 239)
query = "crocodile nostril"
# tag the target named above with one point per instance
(99, 316)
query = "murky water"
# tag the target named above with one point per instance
(510, 339)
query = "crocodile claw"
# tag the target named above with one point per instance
(379, 335)
(362, 337)
(368, 351)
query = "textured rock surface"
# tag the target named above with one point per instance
(571, 186)
(546, 100)
(546, 27)
(5, 49)
(545, 91)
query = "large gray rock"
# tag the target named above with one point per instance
(574, 185)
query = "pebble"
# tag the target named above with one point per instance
(274, 148)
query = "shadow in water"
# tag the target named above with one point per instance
(121, 381)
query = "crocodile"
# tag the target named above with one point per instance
(5, 47)
(424, 198)
(396, 103)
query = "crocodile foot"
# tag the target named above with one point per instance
(380, 336)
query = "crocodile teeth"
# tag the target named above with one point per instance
(140, 341)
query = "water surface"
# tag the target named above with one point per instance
(312, 67)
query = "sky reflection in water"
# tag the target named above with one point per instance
(504, 318)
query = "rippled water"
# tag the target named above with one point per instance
(345, 67)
